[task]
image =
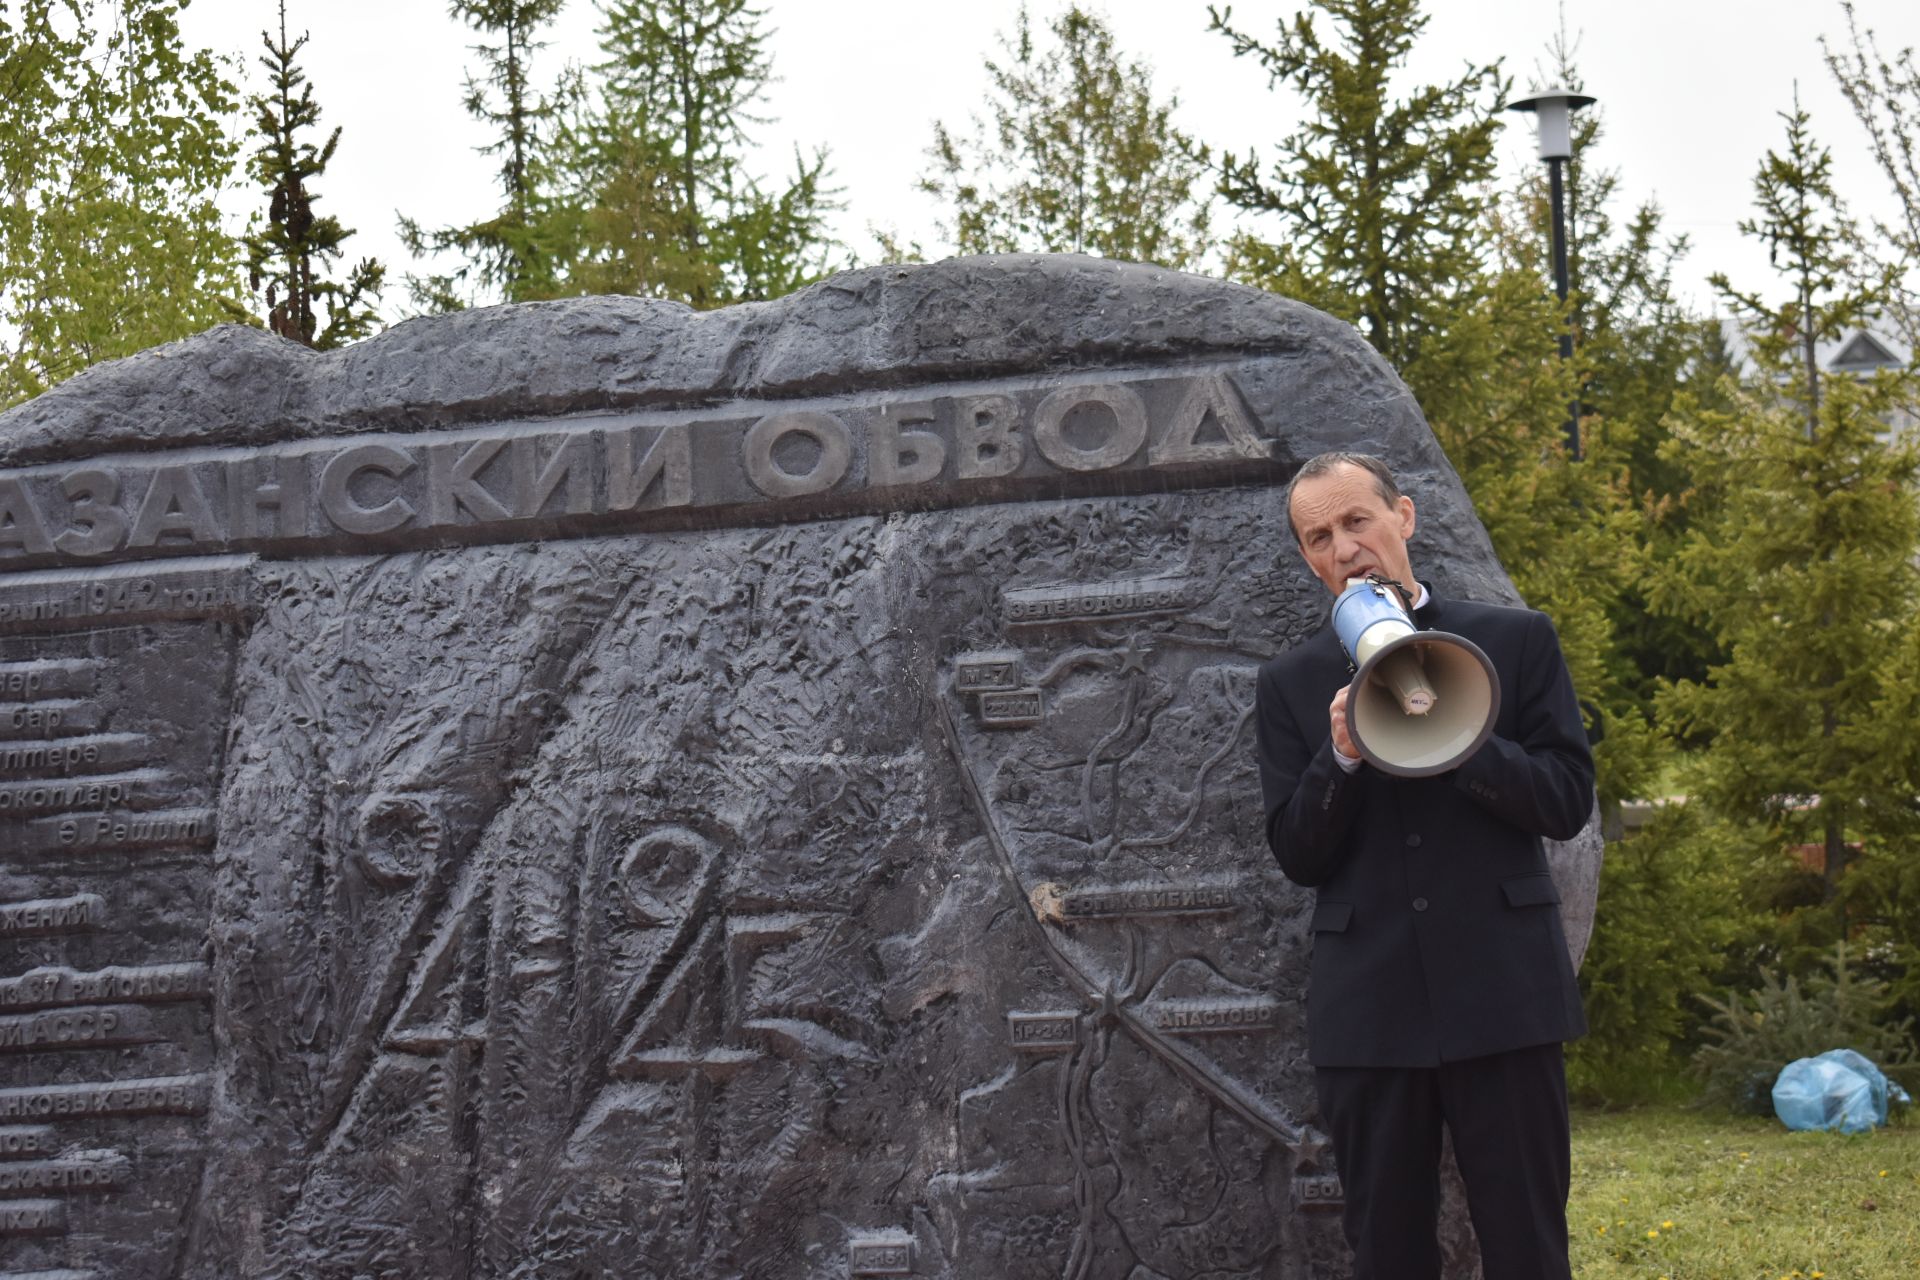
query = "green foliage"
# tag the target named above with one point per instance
(1079, 158)
(1799, 560)
(651, 197)
(1381, 201)
(1810, 240)
(1668, 911)
(286, 259)
(1750, 1038)
(1635, 339)
(1799, 554)
(504, 253)
(1884, 92)
(114, 144)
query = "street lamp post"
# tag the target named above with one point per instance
(1553, 110)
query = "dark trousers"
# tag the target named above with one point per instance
(1507, 1113)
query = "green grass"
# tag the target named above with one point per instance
(1692, 1195)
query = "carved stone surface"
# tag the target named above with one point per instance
(589, 789)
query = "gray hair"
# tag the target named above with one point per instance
(1322, 463)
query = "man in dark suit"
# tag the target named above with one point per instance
(1441, 988)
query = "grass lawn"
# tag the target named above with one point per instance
(1692, 1195)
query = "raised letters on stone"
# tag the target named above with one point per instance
(842, 457)
(88, 1171)
(80, 913)
(32, 1217)
(1318, 1191)
(43, 719)
(1092, 902)
(117, 830)
(1043, 1032)
(52, 987)
(93, 753)
(94, 793)
(120, 594)
(18, 1142)
(74, 1029)
(30, 681)
(1032, 606)
(886, 1257)
(1214, 1017)
(1016, 710)
(987, 672)
(167, 1095)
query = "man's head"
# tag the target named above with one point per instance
(1350, 519)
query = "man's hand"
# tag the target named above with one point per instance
(1337, 716)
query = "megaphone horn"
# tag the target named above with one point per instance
(1421, 701)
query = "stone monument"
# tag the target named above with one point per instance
(591, 789)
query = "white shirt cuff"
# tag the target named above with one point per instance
(1346, 762)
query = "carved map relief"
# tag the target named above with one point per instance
(760, 794)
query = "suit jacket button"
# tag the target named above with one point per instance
(1493, 795)
(1419, 904)
(1413, 841)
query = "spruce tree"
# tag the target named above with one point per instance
(115, 143)
(288, 257)
(505, 254)
(1800, 554)
(1810, 239)
(655, 198)
(1079, 156)
(1379, 202)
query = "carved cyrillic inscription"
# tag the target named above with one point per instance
(1318, 1191)
(54, 987)
(888, 1256)
(1015, 710)
(81, 913)
(45, 719)
(1094, 902)
(77, 793)
(96, 752)
(866, 455)
(88, 1171)
(29, 681)
(1214, 1017)
(32, 1217)
(114, 830)
(74, 1029)
(1029, 606)
(987, 672)
(19, 1142)
(1043, 1032)
(163, 1096)
(122, 593)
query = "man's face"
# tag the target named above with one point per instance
(1346, 531)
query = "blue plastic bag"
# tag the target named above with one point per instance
(1840, 1089)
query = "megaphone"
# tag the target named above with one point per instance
(1421, 701)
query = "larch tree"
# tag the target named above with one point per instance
(1378, 202)
(288, 257)
(504, 254)
(115, 143)
(1079, 156)
(656, 198)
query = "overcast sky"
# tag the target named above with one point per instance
(1690, 91)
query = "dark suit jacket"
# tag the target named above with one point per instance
(1436, 931)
